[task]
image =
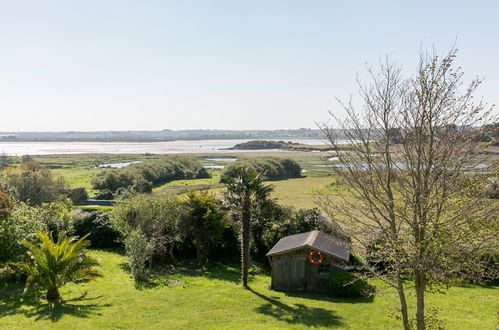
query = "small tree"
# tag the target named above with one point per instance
(203, 221)
(245, 193)
(420, 201)
(157, 218)
(31, 183)
(138, 250)
(53, 264)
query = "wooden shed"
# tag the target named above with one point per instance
(292, 268)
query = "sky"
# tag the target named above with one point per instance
(270, 64)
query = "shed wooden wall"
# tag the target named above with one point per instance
(294, 272)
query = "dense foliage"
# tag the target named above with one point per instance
(31, 183)
(22, 224)
(203, 223)
(77, 195)
(138, 250)
(5, 204)
(156, 216)
(347, 285)
(260, 144)
(97, 224)
(141, 177)
(273, 168)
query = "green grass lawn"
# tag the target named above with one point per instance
(214, 299)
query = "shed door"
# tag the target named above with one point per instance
(289, 272)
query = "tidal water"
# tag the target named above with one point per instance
(172, 147)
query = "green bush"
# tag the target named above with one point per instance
(156, 216)
(77, 195)
(138, 249)
(346, 285)
(273, 168)
(98, 225)
(143, 176)
(31, 183)
(22, 224)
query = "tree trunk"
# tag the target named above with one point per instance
(245, 236)
(53, 293)
(198, 254)
(170, 251)
(420, 284)
(403, 303)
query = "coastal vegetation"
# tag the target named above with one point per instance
(142, 177)
(271, 168)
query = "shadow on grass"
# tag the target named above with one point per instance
(297, 314)
(169, 275)
(12, 302)
(325, 297)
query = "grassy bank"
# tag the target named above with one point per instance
(180, 298)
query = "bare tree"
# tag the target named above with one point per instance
(415, 205)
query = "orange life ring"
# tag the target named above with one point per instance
(315, 257)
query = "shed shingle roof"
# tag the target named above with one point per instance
(316, 240)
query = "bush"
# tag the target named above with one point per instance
(203, 223)
(22, 224)
(356, 261)
(346, 285)
(142, 176)
(77, 195)
(5, 205)
(32, 184)
(274, 168)
(98, 225)
(105, 195)
(156, 216)
(138, 249)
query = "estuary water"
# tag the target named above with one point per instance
(171, 147)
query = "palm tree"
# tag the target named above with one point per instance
(53, 264)
(246, 192)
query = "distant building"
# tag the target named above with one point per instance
(303, 262)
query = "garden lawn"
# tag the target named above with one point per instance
(214, 299)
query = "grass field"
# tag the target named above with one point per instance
(214, 299)
(78, 177)
(79, 170)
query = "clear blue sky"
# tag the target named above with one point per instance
(131, 65)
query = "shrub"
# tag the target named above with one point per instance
(346, 285)
(138, 249)
(57, 217)
(105, 195)
(156, 216)
(142, 176)
(203, 223)
(32, 184)
(98, 225)
(5, 205)
(274, 168)
(355, 260)
(77, 195)
(22, 224)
